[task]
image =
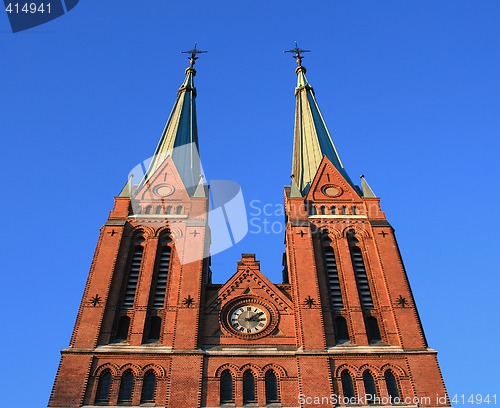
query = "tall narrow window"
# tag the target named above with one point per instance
(347, 386)
(370, 389)
(103, 386)
(323, 210)
(154, 328)
(248, 387)
(272, 394)
(392, 386)
(133, 277)
(226, 387)
(162, 277)
(358, 264)
(122, 328)
(341, 329)
(372, 329)
(334, 210)
(148, 387)
(126, 386)
(333, 278)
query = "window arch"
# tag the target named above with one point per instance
(154, 328)
(248, 387)
(226, 387)
(333, 278)
(133, 274)
(272, 395)
(122, 328)
(103, 386)
(126, 387)
(148, 387)
(392, 386)
(347, 386)
(370, 388)
(372, 329)
(341, 329)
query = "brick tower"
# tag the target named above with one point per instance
(153, 330)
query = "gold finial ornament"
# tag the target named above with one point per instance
(194, 52)
(297, 54)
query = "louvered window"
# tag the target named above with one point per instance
(333, 279)
(102, 394)
(161, 279)
(365, 295)
(272, 395)
(133, 277)
(226, 387)
(347, 385)
(148, 387)
(126, 386)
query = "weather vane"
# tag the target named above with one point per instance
(297, 54)
(194, 52)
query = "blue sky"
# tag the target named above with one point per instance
(410, 91)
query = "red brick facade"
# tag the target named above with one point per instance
(344, 314)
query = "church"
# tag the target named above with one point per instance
(341, 329)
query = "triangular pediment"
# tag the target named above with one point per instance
(249, 281)
(329, 184)
(165, 184)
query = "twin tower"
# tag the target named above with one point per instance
(342, 328)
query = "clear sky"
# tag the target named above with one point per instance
(410, 91)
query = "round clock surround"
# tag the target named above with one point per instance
(249, 317)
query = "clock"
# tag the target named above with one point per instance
(248, 317)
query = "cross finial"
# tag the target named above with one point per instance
(297, 54)
(194, 52)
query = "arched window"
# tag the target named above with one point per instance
(392, 386)
(148, 387)
(354, 210)
(226, 387)
(333, 278)
(344, 209)
(169, 209)
(347, 386)
(103, 386)
(341, 329)
(162, 276)
(154, 328)
(313, 210)
(158, 209)
(248, 387)
(122, 328)
(334, 210)
(272, 395)
(323, 210)
(148, 210)
(370, 389)
(358, 265)
(126, 386)
(372, 329)
(133, 276)
(178, 210)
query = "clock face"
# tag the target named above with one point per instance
(249, 319)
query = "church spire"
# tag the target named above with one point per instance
(312, 139)
(180, 136)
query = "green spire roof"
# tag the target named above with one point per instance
(180, 137)
(312, 139)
